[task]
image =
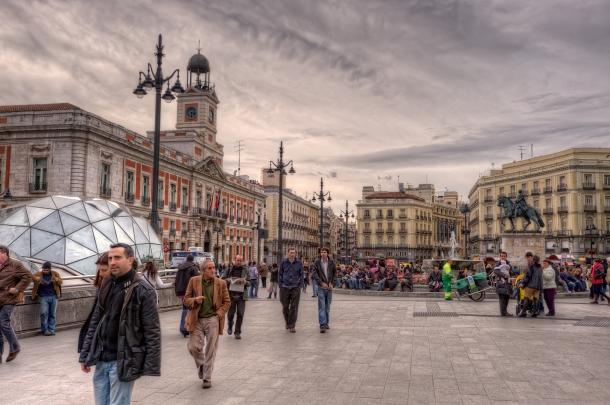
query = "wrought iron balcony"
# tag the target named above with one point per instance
(606, 208)
(548, 211)
(588, 186)
(184, 233)
(488, 199)
(130, 197)
(562, 210)
(38, 187)
(548, 190)
(512, 194)
(489, 217)
(536, 191)
(105, 192)
(184, 209)
(590, 208)
(562, 187)
(145, 200)
(172, 232)
(173, 206)
(160, 204)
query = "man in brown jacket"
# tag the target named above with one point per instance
(209, 300)
(14, 279)
(47, 285)
(263, 272)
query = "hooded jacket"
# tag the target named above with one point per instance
(185, 271)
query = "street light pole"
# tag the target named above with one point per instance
(258, 241)
(156, 81)
(217, 247)
(280, 167)
(590, 229)
(465, 209)
(322, 197)
(347, 212)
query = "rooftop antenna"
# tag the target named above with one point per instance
(239, 148)
(521, 149)
(199, 47)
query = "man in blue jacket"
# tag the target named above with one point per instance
(290, 281)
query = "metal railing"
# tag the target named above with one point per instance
(172, 206)
(160, 204)
(588, 186)
(590, 208)
(536, 191)
(562, 210)
(38, 187)
(105, 192)
(184, 209)
(145, 200)
(562, 187)
(130, 197)
(548, 190)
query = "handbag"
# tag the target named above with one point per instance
(270, 288)
(503, 287)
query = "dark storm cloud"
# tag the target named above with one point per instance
(416, 89)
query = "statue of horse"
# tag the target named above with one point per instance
(530, 214)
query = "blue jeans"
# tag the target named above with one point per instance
(253, 289)
(380, 285)
(578, 286)
(107, 389)
(6, 330)
(325, 297)
(48, 309)
(315, 287)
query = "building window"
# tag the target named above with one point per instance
(172, 193)
(105, 180)
(488, 193)
(606, 180)
(512, 190)
(402, 241)
(390, 213)
(40, 173)
(231, 208)
(588, 200)
(536, 204)
(403, 226)
(588, 178)
(589, 221)
(185, 196)
(501, 194)
(548, 203)
(547, 183)
(129, 183)
(145, 186)
(564, 223)
(239, 212)
(160, 191)
(198, 199)
(379, 226)
(562, 180)
(1, 188)
(607, 202)
(380, 213)
(524, 187)
(367, 226)
(390, 240)
(562, 201)
(379, 240)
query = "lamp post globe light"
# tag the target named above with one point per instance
(322, 197)
(280, 167)
(156, 81)
(347, 213)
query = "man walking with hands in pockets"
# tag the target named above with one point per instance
(290, 281)
(323, 273)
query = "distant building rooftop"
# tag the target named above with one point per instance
(37, 107)
(393, 195)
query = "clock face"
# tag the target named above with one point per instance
(211, 115)
(191, 113)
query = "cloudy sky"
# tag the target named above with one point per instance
(360, 91)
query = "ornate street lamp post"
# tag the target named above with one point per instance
(465, 209)
(322, 197)
(280, 167)
(347, 213)
(590, 229)
(218, 230)
(156, 81)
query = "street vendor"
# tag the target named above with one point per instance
(447, 276)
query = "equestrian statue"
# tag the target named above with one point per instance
(520, 208)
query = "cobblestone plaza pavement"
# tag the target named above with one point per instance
(377, 352)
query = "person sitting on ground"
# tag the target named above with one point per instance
(381, 276)
(579, 276)
(407, 281)
(359, 276)
(391, 280)
(367, 278)
(435, 280)
(568, 278)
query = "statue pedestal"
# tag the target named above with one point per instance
(517, 244)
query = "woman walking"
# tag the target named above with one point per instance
(305, 276)
(273, 281)
(151, 274)
(549, 286)
(597, 279)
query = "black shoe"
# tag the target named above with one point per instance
(535, 310)
(230, 330)
(526, 303)
(237, 335)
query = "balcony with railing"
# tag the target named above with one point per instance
(105, 192)
(488, 199)
(402, 216)
(489, 217)
(402, 230)
(512, 194)
(145, 201)
(525, 193)
(379, 217)
(38, 187)
(588, 186)
(562, 187)
(232, 218)
(173, 206)
(184, 209)
(606, 186)
(160, 203)
(130, 197)
(606, 208)
(536, 191)
(564, 232)
(489, 236)
(548, 211)
(172, 232)
(562, 209)
(590, 208)
(184, 233)
(548, 190)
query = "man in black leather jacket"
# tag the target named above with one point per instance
(533, 286)
(124, 336)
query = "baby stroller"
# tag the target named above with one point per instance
(519, 306)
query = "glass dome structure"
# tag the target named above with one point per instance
(73, 231)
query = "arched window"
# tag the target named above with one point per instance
(589, 221)
(402, 241)
(379, 240)
(564, 223)
(390, 240)
(367, 241)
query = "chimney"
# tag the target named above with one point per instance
(401, 187)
